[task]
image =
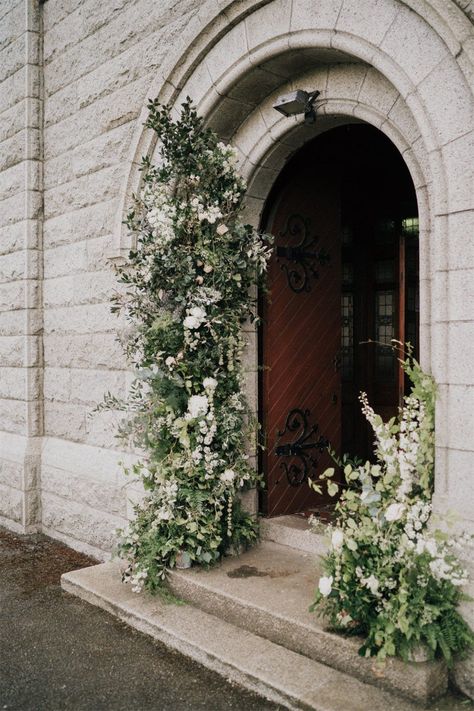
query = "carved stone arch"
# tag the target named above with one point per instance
(213, 32)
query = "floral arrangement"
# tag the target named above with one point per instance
(390, 575)
(187, 293)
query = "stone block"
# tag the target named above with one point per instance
(74, 226)
(11, 503)
(84, 319)
(19, 321)
(12, 296)
(90, 386)
(460, 483)
(458, 159)
(66, 259)
(362, 19)
(79, 521)
(460, 340)
(448, 101)
(460, 245)
(268, 22)
(24, 113)
(307, 14)
(460, 294)
(344, 81)
(65, 420)
(13, 416)
(11, 474)
(377, 91)
(404, 120)
(460, 412)
(12, 383)
(13, 56)
(83, 351)
(102, 427)
(11, 350)
(78, 289)
(57, 384)
(98, 495)
(57, 11)
(95, 187)
(24, 145)
(13, 89)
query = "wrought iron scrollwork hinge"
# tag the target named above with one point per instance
(302, 257)
(297, 422)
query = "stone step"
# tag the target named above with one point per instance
(268, 590)
(292, 680)
(293, 531)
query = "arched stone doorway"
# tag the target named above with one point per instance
(343, 282)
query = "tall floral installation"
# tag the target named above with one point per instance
(390, 574)
(187, 293)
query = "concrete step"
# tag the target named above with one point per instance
(290, 679)
(268, 590)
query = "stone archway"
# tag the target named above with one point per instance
(405, 70)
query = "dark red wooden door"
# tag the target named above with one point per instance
(301, 340)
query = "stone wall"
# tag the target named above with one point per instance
(99, 62)
(68, 173)
(20, 263)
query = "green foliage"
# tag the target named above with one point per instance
(186, 293)
(389, 574)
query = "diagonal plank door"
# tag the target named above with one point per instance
(301, 336)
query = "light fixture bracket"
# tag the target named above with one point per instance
(298, 102)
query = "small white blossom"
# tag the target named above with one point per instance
(325, 585)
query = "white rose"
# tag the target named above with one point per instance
(197, 405)
(228, 475)
(337, 539)
(394, 512)
(191, 322)
(170, 361)
(325, 585)
(209, 383)
(222, 229)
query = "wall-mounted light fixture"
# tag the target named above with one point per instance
(298, 102)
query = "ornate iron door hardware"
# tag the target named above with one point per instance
(302, 256)
(297, 422)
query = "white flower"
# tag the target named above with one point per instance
(190, 322)
(394, 512)
(197, 405)
(198, 312)
(325, 585)
(337, 539)
(372, 583)
(222, 229)
(170, 361)
(209, 383)
(228, 475)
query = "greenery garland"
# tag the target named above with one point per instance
(390, 574)
(188, 286)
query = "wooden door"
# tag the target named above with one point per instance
(301, 336)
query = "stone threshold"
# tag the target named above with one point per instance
(261, 598)
(285, 677)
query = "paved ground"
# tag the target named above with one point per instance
(58, 653)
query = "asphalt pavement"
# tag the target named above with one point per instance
(57, 653)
